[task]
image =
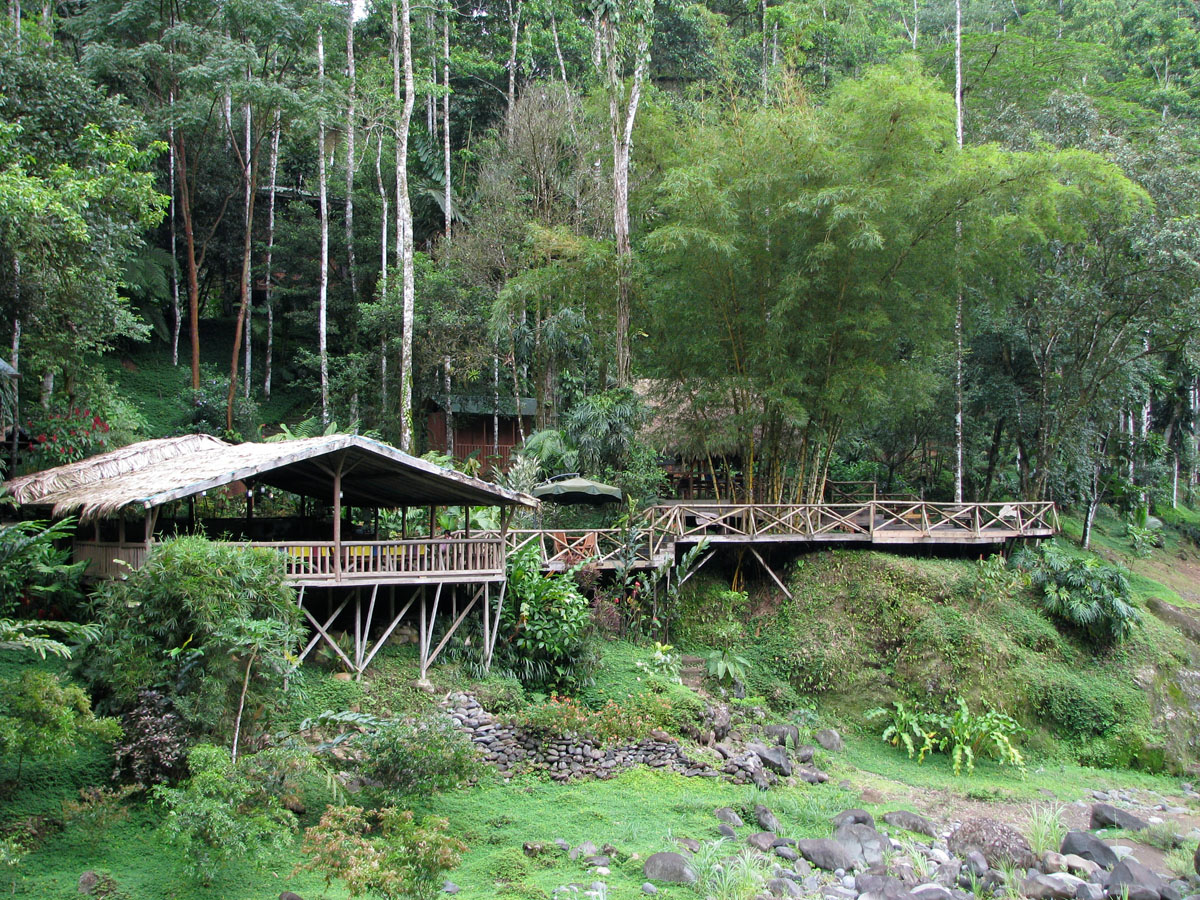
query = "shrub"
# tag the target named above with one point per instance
(97, 809)
(211, 623)
(220, 815)
(547, 625)
(1082, 703)
(41, 717)
(153, 747)
(962, 734)
(384, 852)
(419, 755)
(34, 571)
(1085, 593)
(613, 722)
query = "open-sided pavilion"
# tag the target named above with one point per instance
(120, 497)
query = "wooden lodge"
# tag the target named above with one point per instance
(484, 428)
(127, 498)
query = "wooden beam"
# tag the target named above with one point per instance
(427, 631)
(316, 638)
(396, 619)
(762, 562)
(337, 516)
(454, 627)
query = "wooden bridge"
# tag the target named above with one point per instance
(662, 531)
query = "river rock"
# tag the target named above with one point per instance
(853, 817)
(830, 739)
(1196, 860)
(762, 840)
(1105, 815)
(1089, 847)
(726, 831)
(766, 819)
(784, 887)
(1057, 886)
(1131, 873)
(999, 843)
(911, 821)
(670, 867)
(824, 853)
(730, 817)
(1077, 865)
(862, 843)
(781, 733)
(931, 892)
(805, 753)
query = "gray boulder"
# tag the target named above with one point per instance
(1089, 847)
(719, 721)
(726, 831)
(729, 817)
(1058, 886)
(824, 854)
(1131, 873)
(1000, 844)
(931, 892)
(785, 852)
(1196, 860)
(766, 819)
(854, 817)
(1105, 815)
(862, 843)
(805, 753)
(774, 758)
(649, 888)
(784, 887)
(669, 867)
(781, 733)
(911, 821)
(830, 739)
(762, 840)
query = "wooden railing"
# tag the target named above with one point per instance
(109, 559)
(563, 548)
(318, 561)
(871, 520)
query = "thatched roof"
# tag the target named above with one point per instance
(7, 371)
(152, 473)
(693, 421)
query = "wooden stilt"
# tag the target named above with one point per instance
(427, 631)
(321, 631)
(357, 631)
(383, 639)
(454, 626)
(495, 628)
(762, 562)
(366, 632)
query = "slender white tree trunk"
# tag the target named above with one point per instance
(404, 236)
(323, 280)
(515, 8)
(14, 360)
(449, 406)
(351, 130)
(622, 113)
(247, 262)
(383, 275)
(177, 325)
(496, 402)
(958, 305)
(446, 120)
(268, 356)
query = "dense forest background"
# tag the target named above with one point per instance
(949, 247)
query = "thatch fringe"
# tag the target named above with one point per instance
(33, 489)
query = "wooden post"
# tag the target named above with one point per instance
(337, 517)
(357, 634)
(404, 523)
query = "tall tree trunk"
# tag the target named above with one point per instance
(177, 325)
(383, 276)
(496, 402)
(268, 356)
(193, 271)
(622, 113)
(446, 119)
(515, 8)
(958, 305)
(449, 406)
(248, 159)
(351, 163)
(247, 270)
(404, 226)
(14, 360)
(323, 278)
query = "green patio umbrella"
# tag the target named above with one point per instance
(574, 489)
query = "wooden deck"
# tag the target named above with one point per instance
(660, 532)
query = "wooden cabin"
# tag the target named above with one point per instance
(481, 428)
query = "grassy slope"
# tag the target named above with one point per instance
(146, 377)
